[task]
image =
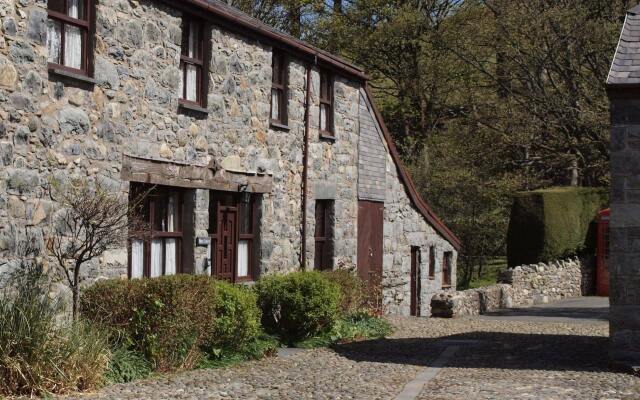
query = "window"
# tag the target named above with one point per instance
(279, 88)
(234, 228)
(432, 262)
(326, 104)
(446, 269)
(68, 35)
(323, 258)
(156, 244)
(193, 75)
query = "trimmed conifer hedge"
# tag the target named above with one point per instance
(553, 223)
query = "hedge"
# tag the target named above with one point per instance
(298, 305)
(173, 320)
(552, 223)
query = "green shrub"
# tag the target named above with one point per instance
(174, 320)
(552, 223)
(298, 305)
(237, 318)
(352, 289)
(40, 350)
(359, 325)
(127, 366)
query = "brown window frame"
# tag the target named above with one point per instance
(326, 99)
(432, 262)
(447, 260)
(200, 61)
(147, 232)
(251, 209)
(87, 29)
(323, 237)
(280, 84)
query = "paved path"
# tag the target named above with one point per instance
(496, 357)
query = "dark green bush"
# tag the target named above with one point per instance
(172, 320)
(42, 351)
(352, 289)
(237, 318)
(552, 223)
(298, 305)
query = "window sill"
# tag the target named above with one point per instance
(328, 136)
(432, 278)
(190, 106)
(446, 286)
(58, 71)
(279, 126)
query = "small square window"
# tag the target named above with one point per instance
(68, 35)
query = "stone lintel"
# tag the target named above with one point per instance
(191, 176)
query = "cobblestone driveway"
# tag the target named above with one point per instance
(495, 359)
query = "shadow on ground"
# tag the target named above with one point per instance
(593, 313)
(489, 350)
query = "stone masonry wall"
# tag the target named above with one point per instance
(624, 267)
(405, 227)
(522, 286)
(56, 127)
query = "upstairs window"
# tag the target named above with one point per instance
(279, 88)
(193, 74)
(326, 104)
(68, 35)
(323, 258)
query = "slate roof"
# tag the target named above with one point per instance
(625, 69)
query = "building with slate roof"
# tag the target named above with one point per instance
(623, 84)
(263, 154)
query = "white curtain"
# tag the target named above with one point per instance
(243, 258)
(192, 82)
(171, 214)
(193, 40)
(137, 258)
(73, 38)
(54, 38)
(275, 105)
(170, 257)
(156, 258)
(323, 117)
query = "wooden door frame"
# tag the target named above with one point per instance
(415, 285)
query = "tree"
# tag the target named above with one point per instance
(93, 219)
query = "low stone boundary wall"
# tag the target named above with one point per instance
(521, 286)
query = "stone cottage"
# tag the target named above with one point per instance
(259, 153)
(623, 86)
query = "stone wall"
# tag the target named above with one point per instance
(522, 286)
(624, 268)
(52, 126)
(404, 228)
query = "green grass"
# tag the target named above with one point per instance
(357, 326)
(264, 345)
(490, 273)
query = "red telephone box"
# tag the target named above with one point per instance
(602, 254)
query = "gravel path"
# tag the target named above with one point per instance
(495, 360)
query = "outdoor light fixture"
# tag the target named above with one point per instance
(245, 196)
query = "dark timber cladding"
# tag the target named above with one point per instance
(370, 240)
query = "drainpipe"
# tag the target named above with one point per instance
(305, 167)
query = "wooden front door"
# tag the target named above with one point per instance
(415, 282)
(226, 243)
(370, 237)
